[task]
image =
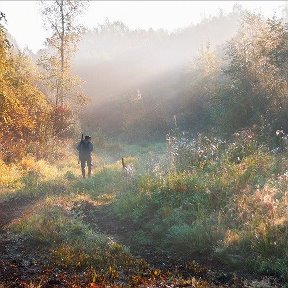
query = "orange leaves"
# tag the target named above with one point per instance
(94, 285)
(22, 108)
(62, 119)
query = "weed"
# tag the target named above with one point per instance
(217, 196)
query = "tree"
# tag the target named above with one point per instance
(60, 17)
(258, 79)
(24, 109)
(201, 81)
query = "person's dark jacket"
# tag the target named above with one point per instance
(85, 148)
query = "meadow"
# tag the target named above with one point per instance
(188, 198)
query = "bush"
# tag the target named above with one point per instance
(216, 203)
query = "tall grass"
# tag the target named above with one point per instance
(227, 198)
(32, 176)
(203, 195)
(10, 177)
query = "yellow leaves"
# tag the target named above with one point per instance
(112, 272)
(156, 272)
(15, 114)
(231, 238)
(94, 276)
(23, 108)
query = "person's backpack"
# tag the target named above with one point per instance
(85, 147)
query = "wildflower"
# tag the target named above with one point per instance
(279, 133)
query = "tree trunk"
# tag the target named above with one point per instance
(62, 53)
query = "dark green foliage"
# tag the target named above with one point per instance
(256, 83)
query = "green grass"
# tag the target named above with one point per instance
(215, 205)
(207, 205)
(72, 243)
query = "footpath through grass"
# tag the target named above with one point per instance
(200, 197)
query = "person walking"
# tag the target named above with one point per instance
(85, 148)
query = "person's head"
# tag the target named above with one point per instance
(88, 138)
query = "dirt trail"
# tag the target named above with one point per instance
(22, 263)
(17, 262)
(13, 209)
(207, 268)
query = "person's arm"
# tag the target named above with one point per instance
(78, 146)
(91, 147)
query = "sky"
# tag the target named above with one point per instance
(25, 24)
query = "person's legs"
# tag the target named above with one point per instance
(83, 172)
(83, 167)
(89, 164)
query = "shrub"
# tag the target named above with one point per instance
(219, 203)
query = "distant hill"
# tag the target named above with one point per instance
(115, 61)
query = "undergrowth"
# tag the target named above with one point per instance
(206, 195)
(225, 198)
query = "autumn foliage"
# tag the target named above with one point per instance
(27, 116)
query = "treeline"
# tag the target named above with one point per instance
(253, 78)
(34, 118)
(25, 112)
(143, 83)
(139, 90)
(241, 85)
(120, 64)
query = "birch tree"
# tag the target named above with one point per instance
(60, 17)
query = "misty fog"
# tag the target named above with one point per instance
(115, 62)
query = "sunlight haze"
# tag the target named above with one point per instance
(143, 144)
(24, 19)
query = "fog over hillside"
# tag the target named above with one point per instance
(116, 62)
(114, 54)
